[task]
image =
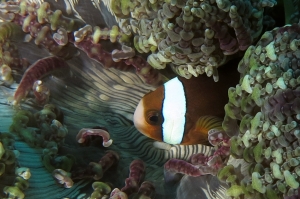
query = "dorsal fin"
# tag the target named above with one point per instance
(199, 132)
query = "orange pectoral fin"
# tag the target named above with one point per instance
(198, 134)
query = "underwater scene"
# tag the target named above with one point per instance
(158, 99)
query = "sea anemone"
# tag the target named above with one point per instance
(71, 65)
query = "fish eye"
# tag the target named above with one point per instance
(154, 117)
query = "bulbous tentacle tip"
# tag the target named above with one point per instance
(117, 194)
(86, 134)
(63, 177)
(23, 172)
(13, 192)
(101, 189)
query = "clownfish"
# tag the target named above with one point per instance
(182, 111)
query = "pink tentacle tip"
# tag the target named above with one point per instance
(137, 170)
(117, 194)
(63, 177)
(41, 92)
(199, 159)
(214, 161)
(222, 151)
(217, 137)
(35, 72)
(109, 159)
(146, 190)
(84, 133)
(61, 37)
(136, 176)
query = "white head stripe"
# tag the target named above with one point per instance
(174, 109)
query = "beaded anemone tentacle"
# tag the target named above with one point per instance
(200, 164)
(57, 33)
(267, 105)
(40, 22)
(10, 62)
(120, 59)
(194, 37)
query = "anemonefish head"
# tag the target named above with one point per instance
(160, 114)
